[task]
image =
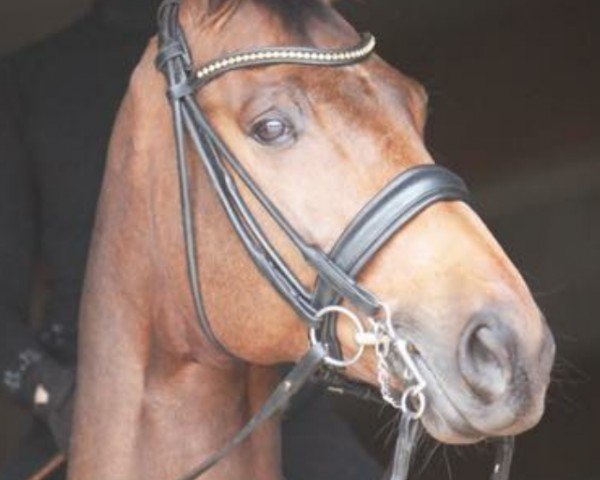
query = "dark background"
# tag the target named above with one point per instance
(515, 109)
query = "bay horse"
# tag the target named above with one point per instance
(300, 139)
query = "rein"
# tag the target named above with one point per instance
(387, 212)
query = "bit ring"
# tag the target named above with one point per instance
(409, 408)
(360, 332)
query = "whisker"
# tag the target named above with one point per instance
(428, 458)
(447, 462)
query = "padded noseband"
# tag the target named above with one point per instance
(389, 211)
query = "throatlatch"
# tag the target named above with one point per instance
(401, 200)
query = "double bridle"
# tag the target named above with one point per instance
(388, 211)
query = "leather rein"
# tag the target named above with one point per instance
(387, 212)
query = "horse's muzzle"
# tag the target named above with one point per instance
(507, 372)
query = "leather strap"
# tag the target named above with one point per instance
(504, 453)
(175, 66)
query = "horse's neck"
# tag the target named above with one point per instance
(147, 406)
(161, 419)
(195, 411)
(152, 400)
(193, 406)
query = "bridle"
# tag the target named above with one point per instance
(388, 211)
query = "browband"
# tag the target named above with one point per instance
(281, 55)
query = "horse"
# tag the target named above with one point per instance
(301, 141)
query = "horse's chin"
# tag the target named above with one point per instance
(444, 422)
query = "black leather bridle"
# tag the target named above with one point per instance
(402, 199)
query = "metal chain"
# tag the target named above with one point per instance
(384, 376)
(412, 402)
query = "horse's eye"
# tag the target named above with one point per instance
(273, 131)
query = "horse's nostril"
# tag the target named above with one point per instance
(485, 358)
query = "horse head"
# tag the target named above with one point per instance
(319, 142)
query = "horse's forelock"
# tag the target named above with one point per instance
(294, 14)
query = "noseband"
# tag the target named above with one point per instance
(387, 212)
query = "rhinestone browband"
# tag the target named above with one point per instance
(297, 55)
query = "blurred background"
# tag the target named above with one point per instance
(514, 91)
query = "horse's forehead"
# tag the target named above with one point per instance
(250, 24)
(363, 96)
(253, 23)
(367, 98)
